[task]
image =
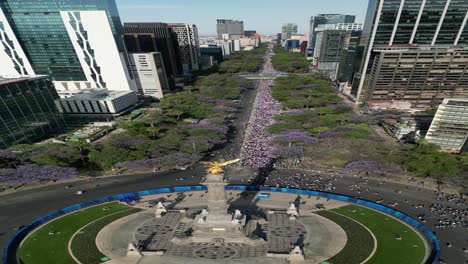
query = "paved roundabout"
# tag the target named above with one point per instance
(325, 229)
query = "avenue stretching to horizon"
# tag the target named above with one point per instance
(131, 135)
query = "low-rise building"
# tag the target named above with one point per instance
(213, 51)
(404, 128)
(382, 105)
(449, 128)
(27, 110)
(98, 103)
(291, 44)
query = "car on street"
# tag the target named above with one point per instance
(80, 192)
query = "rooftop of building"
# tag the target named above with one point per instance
(97, 94)
(145, 24)
(228, 20)
(379, 102)
(456, 102)
(8, 81)
(418, 48)
(390, 121)
(180, 25)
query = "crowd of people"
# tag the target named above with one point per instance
(450, 216)
(303, 181)
(257, 144)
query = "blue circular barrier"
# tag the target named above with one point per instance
(10, 250)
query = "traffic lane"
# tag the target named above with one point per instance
(407, 200)
(21, 208)
(456, 236)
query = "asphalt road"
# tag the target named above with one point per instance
(21, 207)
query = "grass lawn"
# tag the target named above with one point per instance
(83, 244)
(49, 244)
(409, 249)
(359, 244)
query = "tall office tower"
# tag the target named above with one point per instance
(76, 42)
(150, 74)
(331, 45)
(322, 19)
(28, 111)
(187, 36)
(287, 30)
(155, 37)
(449, 128)
(350, 60)
(250, 33)
(229, 26)
(278, 39)
(13, 60)
(415, 50)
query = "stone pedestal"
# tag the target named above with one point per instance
(215, 221)
(215, 224)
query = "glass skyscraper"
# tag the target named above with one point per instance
(322, 19)
(287, 30)
(429, 22)
(41, 31)
(27, 110)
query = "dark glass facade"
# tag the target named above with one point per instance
(213, 50)
(350, 60)
(322, 19)
(429, 20)
(41, 32)
(27, 111)
(452, 21)
(154, 37)
(408, 19)
(431, 15)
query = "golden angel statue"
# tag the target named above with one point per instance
(216, 167)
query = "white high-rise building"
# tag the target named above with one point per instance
(78, 44)
(449, 128)
(287, 30)
(187, 37)
(102, 63)
(150, 74)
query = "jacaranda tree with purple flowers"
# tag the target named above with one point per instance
(32, 173)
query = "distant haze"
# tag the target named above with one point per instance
(265, 16)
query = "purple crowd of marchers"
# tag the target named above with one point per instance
(258, 145)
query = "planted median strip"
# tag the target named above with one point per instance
(359, 245)
(396, 242)
(49, 244)
(83, 244)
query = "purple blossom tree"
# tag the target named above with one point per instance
(291, 136)
(368, 166)
(27, 174)
(166, 161)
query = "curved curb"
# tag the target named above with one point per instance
(368, 230)
(421, 229)
(70, 241)
(11, 249)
